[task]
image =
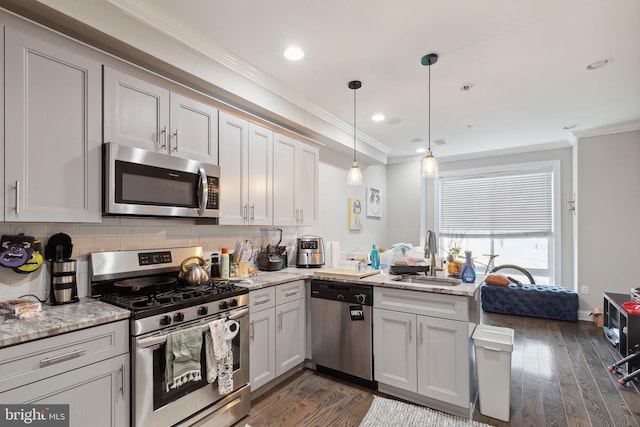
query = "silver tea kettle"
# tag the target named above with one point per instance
(194, 274)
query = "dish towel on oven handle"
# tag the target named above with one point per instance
(182, 354)
(219, 353)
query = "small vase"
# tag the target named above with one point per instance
(468, 271)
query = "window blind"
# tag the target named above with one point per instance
(501, 205)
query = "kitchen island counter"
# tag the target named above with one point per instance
(59, 319)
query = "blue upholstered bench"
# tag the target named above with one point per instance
(549, 302)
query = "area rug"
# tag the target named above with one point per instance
(388, 412)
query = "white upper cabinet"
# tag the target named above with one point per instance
(141, 114)
(246, 169)
(296, 182)
(52, 130)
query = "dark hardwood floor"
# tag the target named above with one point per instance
(559, 377)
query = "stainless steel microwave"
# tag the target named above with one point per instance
(141, 182)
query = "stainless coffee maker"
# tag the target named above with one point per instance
(64, 288)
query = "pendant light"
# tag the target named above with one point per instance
(355, 175)
(429, 164)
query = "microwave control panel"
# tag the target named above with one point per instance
(214, 189)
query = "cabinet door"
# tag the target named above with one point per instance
(97, 395)
(234, 189)
(262, 347)
(307, 184)
(53, 125)
(394, 349)
(260, 175)
(443, 360)
(290, 335)
(194, 130)
(284, 180)
(136, 112)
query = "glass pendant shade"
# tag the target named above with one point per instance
(355, 175)
(429, 165)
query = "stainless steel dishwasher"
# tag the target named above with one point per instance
(342, 330)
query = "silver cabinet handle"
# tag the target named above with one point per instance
(245, 215)
(280, 320)
(253, 213)
(410, 328)
(297, 215)
(163, 132)
(122, 380)
(302, 215)
(175, 147)
(17, 197)
(262, 301)
(62, 358)
(291, 293)
(251, 331)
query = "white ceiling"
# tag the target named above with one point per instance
(526, 61)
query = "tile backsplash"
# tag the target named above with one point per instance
(126, 234)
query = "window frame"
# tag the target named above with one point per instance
(555, 250)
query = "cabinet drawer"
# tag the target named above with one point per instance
(262, 298)
(25, 363)
(445, 306)
(289, 292)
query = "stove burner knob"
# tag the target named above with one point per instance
(203, 310)
(178, 317)
(233, 303)
(224, 305)
(165, 320)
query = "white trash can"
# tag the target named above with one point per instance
(493, 347)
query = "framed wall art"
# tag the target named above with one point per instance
(374, 202)
(355, 214)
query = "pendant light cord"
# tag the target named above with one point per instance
(429, 126)
(354, 125)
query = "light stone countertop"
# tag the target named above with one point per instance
(89, 312)
(59, 319)
(266, 279)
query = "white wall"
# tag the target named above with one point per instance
(404, 202)
(607, 212)
(334, 209)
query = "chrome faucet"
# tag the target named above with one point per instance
(430, 250)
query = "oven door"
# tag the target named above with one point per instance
(153, 405)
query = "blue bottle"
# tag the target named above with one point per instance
(375, 258)
(468, 272)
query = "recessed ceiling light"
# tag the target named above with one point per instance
(416, 140)
(420, 150)
(569, 127)
(378, 117)
(294, 53)
(439, 142)
(599, 64)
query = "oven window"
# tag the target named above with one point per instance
(160, 395)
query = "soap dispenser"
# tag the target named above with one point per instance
(375, 258)
(468, 271)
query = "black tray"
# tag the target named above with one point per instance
(408, 269)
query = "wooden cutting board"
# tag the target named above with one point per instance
(344, 273)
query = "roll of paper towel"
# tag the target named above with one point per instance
(335, 254)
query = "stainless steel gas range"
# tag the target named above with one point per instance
(147, 283)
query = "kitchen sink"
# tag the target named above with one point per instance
(429, 280)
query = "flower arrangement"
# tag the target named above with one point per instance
(455, 246)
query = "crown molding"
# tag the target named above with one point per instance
(144, 12)
(631, 126)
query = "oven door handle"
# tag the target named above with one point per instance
(161, 339)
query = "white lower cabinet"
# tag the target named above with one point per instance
(422, 348)
(87, 370)
(277, 334)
